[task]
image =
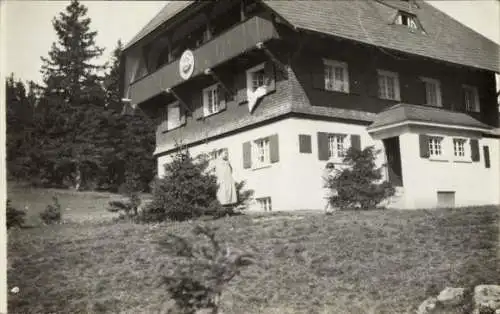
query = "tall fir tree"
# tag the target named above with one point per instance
(70, 119)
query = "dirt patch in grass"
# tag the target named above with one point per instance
(349, 262)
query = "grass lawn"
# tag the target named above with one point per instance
(349, 262)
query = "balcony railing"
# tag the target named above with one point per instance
(226, 46)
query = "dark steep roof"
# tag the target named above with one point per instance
(415, 113)
(167, 12)
(370, 22)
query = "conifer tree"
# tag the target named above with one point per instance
(71, 122)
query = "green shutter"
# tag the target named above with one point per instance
(356, 142)
(424, 145)
(323, 151)
(486, 151)
(247, 155)
(270, 75)
(305, 145)
(474, 149)
(274, 151)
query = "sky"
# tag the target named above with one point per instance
(29, 32)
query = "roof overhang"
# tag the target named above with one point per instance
(427, 124)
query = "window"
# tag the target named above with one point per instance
(471, 98)
(212, 102)
(174, 117)
(407, 19)
(432, 92)
(459, 147)
(261, 149)
(388, 85)
(435, 146)
(336, 76)
(337, 146)
(256, 77)
(265, 204)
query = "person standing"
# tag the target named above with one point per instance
(329, 173)
(226, 192)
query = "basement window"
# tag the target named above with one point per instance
(265, 204)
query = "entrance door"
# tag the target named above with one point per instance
(393, 155)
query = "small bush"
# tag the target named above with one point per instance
(359, 186)
(185, 192)
(15, 217)
(201, 272)
(52, 213)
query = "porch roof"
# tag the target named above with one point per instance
(408, 113)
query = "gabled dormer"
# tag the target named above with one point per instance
(409, 20)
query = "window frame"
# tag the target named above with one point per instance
(410, 18)
(256, 163)
(333, 154)
(267, 203)
(475, 92)
(181, 121)
(395, 76)
(442, 148)
(437, 83)
(221, 102)
(249, 75)
(336, 64)
(467, 157)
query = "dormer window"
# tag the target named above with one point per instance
(407, 19)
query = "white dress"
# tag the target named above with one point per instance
(226, 193)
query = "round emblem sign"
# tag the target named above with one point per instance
(186, 64)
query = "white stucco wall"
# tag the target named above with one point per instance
(295, 182)
(472, 182)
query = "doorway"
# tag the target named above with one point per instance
(393, 155)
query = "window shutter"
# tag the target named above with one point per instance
(198, 106)
(486, 151)
(474, 149)
(247, 155)
(241, 87)
(356, 142)
(270, 76)
(182, 113)
(318, 73)
(323, 153)
(274, 149)
(305, 144)
(424, 145)
(163, 119)
(421, 92)
(222, 97)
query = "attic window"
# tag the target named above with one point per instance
(407, 19)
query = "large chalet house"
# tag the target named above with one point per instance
(287, 86)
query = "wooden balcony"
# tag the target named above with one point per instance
(237, 40)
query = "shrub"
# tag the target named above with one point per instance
(185, 192)
(201, 272)
(359, 184)
(52, 213)
(15, 217)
